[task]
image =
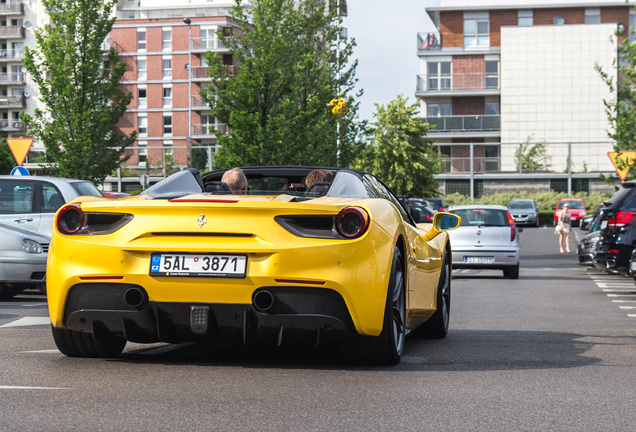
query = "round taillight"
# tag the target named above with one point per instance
(70, 219)
(352, 222)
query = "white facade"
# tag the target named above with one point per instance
(551, 91)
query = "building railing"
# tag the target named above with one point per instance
(203, 71)
(208, 130)
(12, 7)
(468, 123)
(11, 125)
(9, 78)
(11, 54)
(12, 101)
(429, 41)
(207, 44)
(11, 31)
(458, 81)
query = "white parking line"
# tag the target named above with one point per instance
(28, 321)
(626, 290)
(32, 388)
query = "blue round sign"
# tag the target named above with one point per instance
(19, 171)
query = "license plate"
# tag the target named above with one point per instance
(479, 259)
(194, 265)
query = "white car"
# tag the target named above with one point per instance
(22, 260)
(486, 239)
(30, 202)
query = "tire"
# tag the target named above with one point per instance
(78, 344)
(511, 272)
(437, 326)
(388, 347)
(9, 290)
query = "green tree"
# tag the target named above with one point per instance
(534, 156)
(78, 83)
(7, 161)
(621, 110)
(399, 153)
(290, 63)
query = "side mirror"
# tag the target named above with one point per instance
(442, 222)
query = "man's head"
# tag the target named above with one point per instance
(236, 180)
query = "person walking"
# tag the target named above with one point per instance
(563, 228)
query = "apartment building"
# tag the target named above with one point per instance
(163, 45)
(497, 74)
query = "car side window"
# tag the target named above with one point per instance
(52, 198)
(16, 196)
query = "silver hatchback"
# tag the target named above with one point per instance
(486, 239)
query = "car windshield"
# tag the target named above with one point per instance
(573, 204)
(482, 217)
(518, 205)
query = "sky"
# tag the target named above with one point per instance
(386, 37)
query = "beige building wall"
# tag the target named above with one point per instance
(551, 91)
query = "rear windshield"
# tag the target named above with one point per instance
(573, 204)
(482, 217)
(86, 188)
(517, 205)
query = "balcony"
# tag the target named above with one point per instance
(429, 41)
(11, 126)
(458, 82)
(198, 103)
(200, 131)
(468, 123)
(479, 165)
(12, 102)
(11, 79)
(205, 44)
(11, 55)
(11, 32)
(13, 8)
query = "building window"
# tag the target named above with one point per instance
(524, 18)
(142, 101)
(167, 96)
(208, 38)
(142, 72)
(492, 108)
(558, 20)
(476, 33)
(439, 109)
(141, 40)
(439, 75)
(167, 68)
(492, 74)
(592, 16)
(167, 148)
(142, 128)
(167, 124)
(632, 25)
(143, 153)
(166, 39)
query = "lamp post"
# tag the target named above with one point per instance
(189, 69)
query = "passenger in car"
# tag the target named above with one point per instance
(236, 181)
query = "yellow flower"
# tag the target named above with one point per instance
(338, 107)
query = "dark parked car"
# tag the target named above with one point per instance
(618, 231)
(437, 203)
(587, 246)
(420, 210)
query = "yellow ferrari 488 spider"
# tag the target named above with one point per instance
(188, 260)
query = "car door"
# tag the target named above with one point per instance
(19, 203)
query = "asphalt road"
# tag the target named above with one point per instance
(551, 351)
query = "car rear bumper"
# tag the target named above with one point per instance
(500, 258)
(280, 313)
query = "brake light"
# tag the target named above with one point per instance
(352, 222)
(622, 219)
(513, 227)
(70, 219)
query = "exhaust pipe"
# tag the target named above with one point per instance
(263, 301)
(610, 263)
(136, 298)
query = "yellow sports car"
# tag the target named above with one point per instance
(188, 260)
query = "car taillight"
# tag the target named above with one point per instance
(622, 219)
(352, 222)
(513, 227)
(70, 219)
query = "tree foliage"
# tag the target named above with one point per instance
(290, 63)
(7, 161)
(78, 82)
(621, 110)
(399, 153)
(534, 156)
